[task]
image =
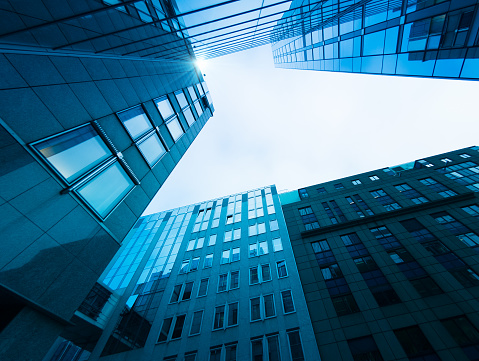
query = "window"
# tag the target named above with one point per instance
(338, 186)
(411, 193)
(170, 118)
(373, 178)
(363, 204)
(230, 255)
(185, 107)
(288, 305)
(222, 282)
(281, 269)
(208, 261)
(257, 228)
(166, 327)
(331, 272)
(303, 193)
(345, 304)
(364, 348)
(385, 238)
(356, 182)
(464, 155)
(321, 190)
(259, 274)
(185, 266)
(309, 219)
(228, 281)
(258, 248)
(295, 345)
(414, 343)
(215, 354)
(273, 225)
(262, 307)
(472, 210)
(446, 160)
(464, 333)
(230, 311)
(82, 159)
(190, 356)
(181, 292)
(141, 131)
(230, 351)
(385, 200)
(323, 252)
(196, 323)
(461, 232)
(437, 187)
(212, 240)
(195, 244)
(277, 245)
(203, 289)
(425, 163)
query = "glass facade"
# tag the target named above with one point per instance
(390, 37)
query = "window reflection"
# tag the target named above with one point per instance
(135, 121)
(175, 129)
(74, 153)
(152, 149)
(190, 119)
(165, 108)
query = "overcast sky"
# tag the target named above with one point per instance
(295, 128)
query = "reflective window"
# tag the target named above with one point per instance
(175, 129)
(74, 153)
(181, 99)
(152, 149)
(165, 108)
(135, 121)
(190, 119)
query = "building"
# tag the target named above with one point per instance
(90, 128)
(430, 38)
(389, 262)
(210, 281)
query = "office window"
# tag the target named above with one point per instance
(232, 314)
(321, 190)
(385, 200)
(236, 234)
(411, 193)
(277, 245)
(196, 323)
(165, 329)
(364, 349)
(355, 207)
(345, 304)
(215, 354)
(82, 159)
(281, 268)
(295, 345)
(385, 238)
(258, 248)
(180, 97)
(262, 307)
(234, 280)
(212, 240)
(303, 193)
(331, 272)
(464, 333)
(373, 178)
(363, 204)
(222, 282)
(257, 228)
(356, 182)
(414, 343)
(228, 281)
(230, 351)
(288, 305)
(338, 186)
(185, 266)
(219, 320)
(437, 187)
(464, 155)
(228, 236)
(195, 244)
(194, 264)
(170, 118)
(257, 349)
(308, 217)
(259, 274)
(190, 357)
(230, 255)
(208, 261)
(446, 160)
(203, 289)
(253, 276)
(472, 210)
(273, 225)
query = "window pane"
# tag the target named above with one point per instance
(135, 121)
(175, 128)
(215, 354)
(165, 329)
(282, 272)
(152, 149)
(265, 272)
(191, 90)
(225, 258)
(180, 321)
(273, 348)
(235, 255)
(74, 153)
(287, 301)
(165, 108)
(222, 282)
(106, 190)
(219, 317)
(203, 287)
(269, 306)
(263, 248)
(295, 346)
(277, 245)
(234, 280)
(176, 294)
(181, 99)
(230, 353)
(196, 323)
(253, 276)
(255, 309)
(233, 314)
(187, 291)
(212, 240)
(257, 350)
(190, 119)
(198, 108)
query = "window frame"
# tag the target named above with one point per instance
(292, 301)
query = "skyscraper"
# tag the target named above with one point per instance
(210, 281)
(90, 129)
(389, 262)
(431, 38)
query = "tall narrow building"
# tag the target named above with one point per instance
(388, 260)
(210, 281)
(429, 38)
(90, 127)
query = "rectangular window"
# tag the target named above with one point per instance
(203, 289)
(196, 323)
(309, 218)
(222, 282)
(472, 210)
(414, 343)
(185, 266)
(230, 351)
(385, 200)
(234, 280)
(345, 304)
(258, 248)
(253, 276)
(321, 190)
(257, 228)
(187, 291)
(303, 193)
(364, 348)
(215, 354)
(374, 178)
(212, 240)
(219, 320)
(437, 187)
(295, 346)
(255, 308)
(273, 225)
(356, 182)
(269, 309)
(165, 329)
(208, 261)
(281, 268)
(464, 333)
(273, 347)
(464, 155)
(277, 245)
(194, 264)
(228, 236)
(170, 118)
(411, 193)
(288, 305)
(257, 349)
(236, 234)
(233, 314)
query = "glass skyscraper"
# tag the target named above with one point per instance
(429, 38)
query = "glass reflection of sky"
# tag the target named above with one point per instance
(152, 149)
(74, 153)
(190, 119)
(181, 99)
(135, 121)
(175, 129)
(165, 108)
(107, 189)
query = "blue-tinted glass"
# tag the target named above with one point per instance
(470, 68)
(448, 67)
(190, 119)
(372, 64)
(356, 65)
(175, 128)
(389, 64)
(152, 149)
(405, 37)
(346, 27)
(390, 44)
(106, 189)
(346, 48)
(375, 13)
(135, 121)
(192, 92)
(374, 43)
(408, 65)
(181, 99)
(198, 108)
(165, 108)
(357, 46)
(74, 153)
(346, 65)
(328, 51)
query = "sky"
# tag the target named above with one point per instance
(296, 128)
